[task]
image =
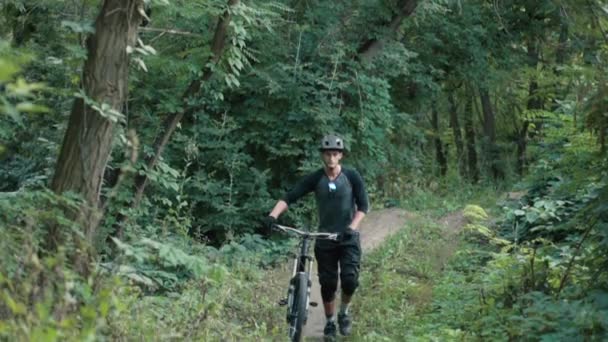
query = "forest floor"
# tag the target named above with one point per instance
(375, 229)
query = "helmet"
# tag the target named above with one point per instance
(332, 142)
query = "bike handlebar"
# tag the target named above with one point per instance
(322, 236)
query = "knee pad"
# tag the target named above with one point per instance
(329, 286)
(350, 282)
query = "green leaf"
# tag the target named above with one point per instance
(7, 70)
(30, 107)
(22, 88)
(78, 27)
(532, 216)
(16, 307)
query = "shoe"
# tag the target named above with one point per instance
(345, 323)
(329, 333)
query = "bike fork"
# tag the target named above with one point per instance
(309, 287)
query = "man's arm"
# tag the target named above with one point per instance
(361, 199)
(306, 185)
(359, 215)
(278, 209)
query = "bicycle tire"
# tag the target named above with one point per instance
(298, 312)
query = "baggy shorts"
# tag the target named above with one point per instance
(338, 259)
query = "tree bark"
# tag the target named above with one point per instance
(522, 144)
(534, 99)
(87, 143)
(602, 137)
(534, 103)
(561, 54)
(457, 134)
(489, 130)
(469, 131)
(439, 154)
(173, 119)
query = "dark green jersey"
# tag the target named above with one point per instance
(337, 200)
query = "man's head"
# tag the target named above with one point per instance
(332, 149)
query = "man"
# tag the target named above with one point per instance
(342, 203)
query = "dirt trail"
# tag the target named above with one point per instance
(375, 228)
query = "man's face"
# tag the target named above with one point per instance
(331, 158)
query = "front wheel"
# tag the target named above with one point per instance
(299, 307)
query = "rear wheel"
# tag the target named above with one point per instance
(298, 309)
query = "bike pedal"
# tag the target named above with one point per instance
(314, 304)
(283, 302)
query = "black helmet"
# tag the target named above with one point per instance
(332, 142)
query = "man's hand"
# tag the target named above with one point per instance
(267, 223)
(348, 234)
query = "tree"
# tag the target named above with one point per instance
(469, 134)
(439, 152)
(87, 143)
(490, 148)
(371, 47)
(173, 119)
(455, 124)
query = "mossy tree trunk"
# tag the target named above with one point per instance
(455, 124)
(469, 134)
(491, 152)
(439, 152)
(87, 143)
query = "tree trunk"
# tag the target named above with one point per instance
(469, 133)
(602, 138)
(441, 159)
(453, 109)
(561, 54)
(534, 103)
(172, 120)
(87, 143)
(489, 130)
(522, 144)
(534, 99)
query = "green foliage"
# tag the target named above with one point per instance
(41, 296)
(535, 272)
(289, 73)
(161, 266)
(151, 289)
(474, 213)
(395, 282)
(241, 306)
(17, 96)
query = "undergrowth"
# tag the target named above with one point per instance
(154, 289)
(531, 270)
(469, 265)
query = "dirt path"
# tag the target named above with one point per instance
(375, 228)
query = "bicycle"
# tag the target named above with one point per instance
(298, 293)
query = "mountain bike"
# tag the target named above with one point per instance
(298, 292)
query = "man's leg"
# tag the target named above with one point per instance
(327, 265)
(345, 302)
(350, 261)
(329, 307)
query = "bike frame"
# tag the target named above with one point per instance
(303, 259)
(303, 263)
(302, 266)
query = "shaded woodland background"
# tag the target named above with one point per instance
(142, 141)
